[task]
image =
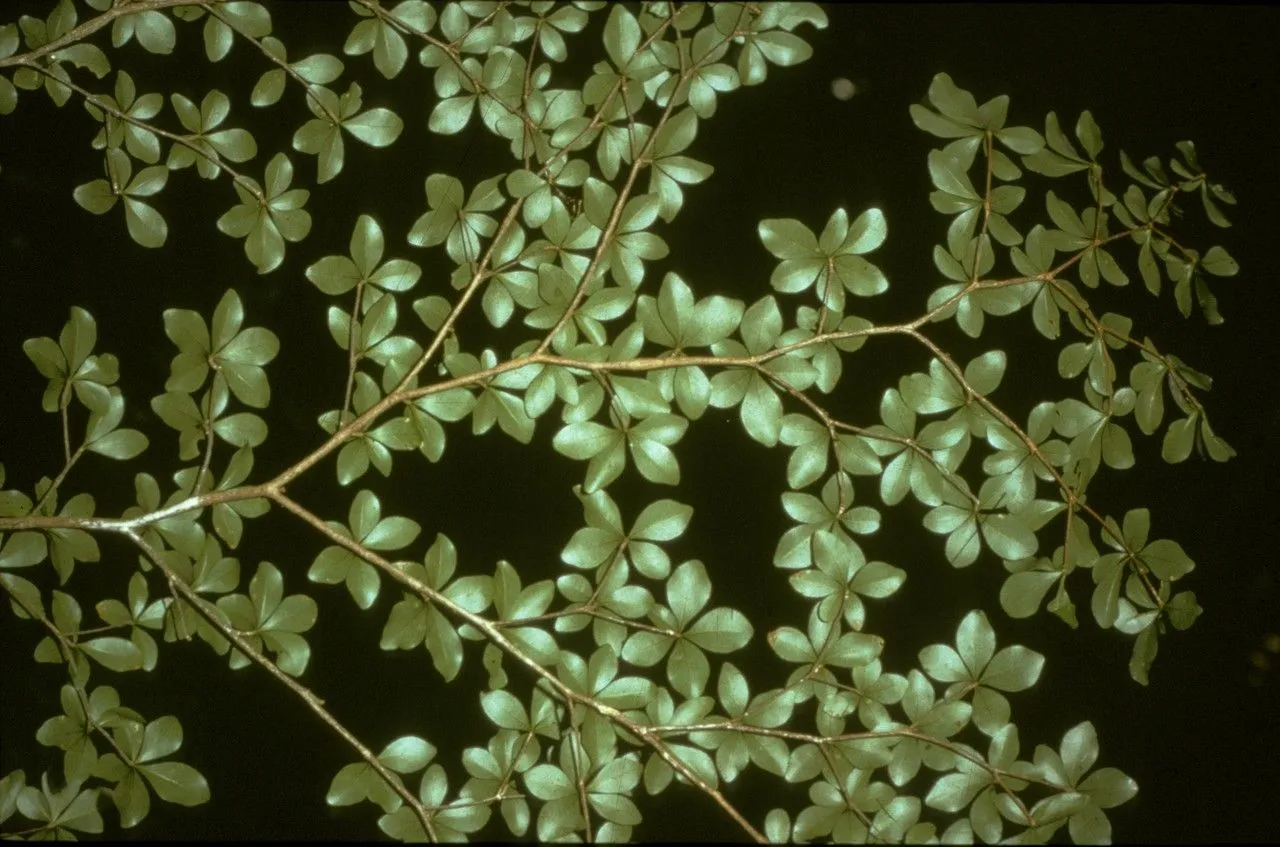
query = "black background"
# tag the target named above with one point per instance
(1200, 740)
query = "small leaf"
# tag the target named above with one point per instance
(662, 521)
(176, 782)
(375, 127)
(118, 654)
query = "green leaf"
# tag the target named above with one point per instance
(505, 710)
(117, 654)
(722, 630)
(1008, 536)
(407, 754)
(146, 226)
(317, 69)
(788, 239)
(1219, 262)
(1167, 559)
(953, 792)
(649, 440)
(1183, 609)
(761, 412)
(548, 782)
(1178, 440)
(121, 444)
(1022, 593)
(662, 521)
(584, 440)
(22, 549)
(451, 116)
(1014, 668)
(1145, 647)
(175, 782)
(375, 127)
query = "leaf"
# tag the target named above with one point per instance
(146, 226)
(662, 521)
(688, 590)
(1167, 559)
(375, 127)
(788, 239)
(1022, 593)
(722, 630)
(120, 444)
(953, 792)
(1014, 668)
(117, 654)
(621, 36)
(1219, 262)
(1178, 439)
(407, 754)
(505, 710)
(761, 412)
(22, 549)
(1008, 537)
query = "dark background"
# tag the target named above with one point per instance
(1200, 740)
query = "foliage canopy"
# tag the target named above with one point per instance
(614, 679)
